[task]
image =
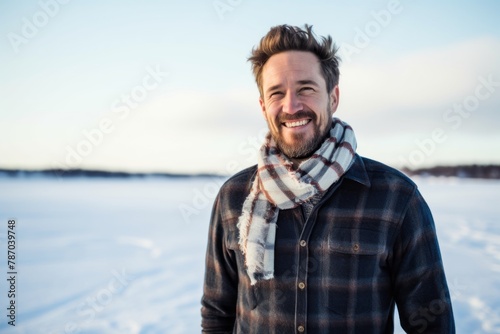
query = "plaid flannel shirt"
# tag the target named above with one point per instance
(368, 245)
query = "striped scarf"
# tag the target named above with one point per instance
(278, 186)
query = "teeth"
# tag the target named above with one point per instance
(294, 124)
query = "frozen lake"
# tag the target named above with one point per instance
(127, 255)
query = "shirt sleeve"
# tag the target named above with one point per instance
(221, 279)
(419, 282)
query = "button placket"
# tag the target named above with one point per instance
(301, 292)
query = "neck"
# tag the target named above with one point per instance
(296, 162)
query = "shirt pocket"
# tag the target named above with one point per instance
(357, 241)
(356, 270)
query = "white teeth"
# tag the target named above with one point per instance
(294, 124)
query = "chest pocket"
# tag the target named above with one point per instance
(357, 241)
(358, 259)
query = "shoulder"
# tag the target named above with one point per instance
(391, 193)
(235, 190)
(241, 181)
(383, 186)
(379, 173)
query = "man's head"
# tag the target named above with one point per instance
(297, 76)
(286, 38)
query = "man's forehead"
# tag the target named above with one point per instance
(293, 67)
(292, 58)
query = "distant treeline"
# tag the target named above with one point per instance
(72, 173)
(462, 171)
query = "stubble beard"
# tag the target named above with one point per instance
(301, 148)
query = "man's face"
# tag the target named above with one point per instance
(295, 103)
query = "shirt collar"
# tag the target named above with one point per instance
(357, 172)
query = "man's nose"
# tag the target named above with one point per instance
(291, 103)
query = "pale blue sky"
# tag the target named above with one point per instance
(87, 67)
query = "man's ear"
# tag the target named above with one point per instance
(334, 98)
(262, 106)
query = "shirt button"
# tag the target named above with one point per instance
(302, 285)
(303, 243)
(301, 329)
(355, 247)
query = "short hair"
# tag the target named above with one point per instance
(287, 38)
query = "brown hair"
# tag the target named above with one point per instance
(286, 38)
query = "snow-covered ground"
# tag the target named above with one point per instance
(127, 255)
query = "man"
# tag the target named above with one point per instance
(315, 238)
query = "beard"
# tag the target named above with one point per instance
(303, 145)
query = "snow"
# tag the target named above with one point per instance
(127, 255)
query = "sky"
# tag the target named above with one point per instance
(164, 86)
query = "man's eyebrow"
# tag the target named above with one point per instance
(273, 88)
(308, 82)
(300, 82)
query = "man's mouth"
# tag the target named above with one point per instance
(294, 124)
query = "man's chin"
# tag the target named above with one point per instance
(299, 148)
(297, 151)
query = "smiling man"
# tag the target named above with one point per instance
(315, 238)
(296, 103)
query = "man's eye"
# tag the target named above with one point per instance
(306, 89)
(274, 94)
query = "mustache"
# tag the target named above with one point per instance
(284, 117)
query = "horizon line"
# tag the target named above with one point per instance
(83, 172)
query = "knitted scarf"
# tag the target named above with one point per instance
(277, 186)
